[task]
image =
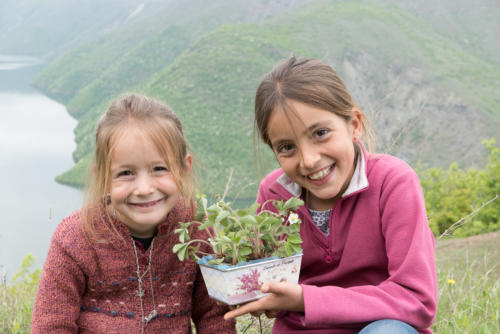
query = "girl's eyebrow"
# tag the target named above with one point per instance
(125, 164)
(309, 129)
(120, 167)
(316, 125)
(313, 126)
(158, 162)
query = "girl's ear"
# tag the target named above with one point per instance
(357, 124)
(189, 162)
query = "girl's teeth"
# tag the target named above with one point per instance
(148, 204)
(321, 174)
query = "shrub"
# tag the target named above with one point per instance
(455, 193)
(16, 298)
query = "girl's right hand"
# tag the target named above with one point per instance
(282, 296)
(269, 314)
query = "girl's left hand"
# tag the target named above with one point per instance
(282, 296)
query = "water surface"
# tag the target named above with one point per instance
(36, 141)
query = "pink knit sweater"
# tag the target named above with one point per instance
(89, 287)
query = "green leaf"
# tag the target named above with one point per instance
(295, 228)
(181, 251)
(201, 209)
(244, 251)
(297, 248)
(179, 230)
(177, 247)
(221, 216)
(241, 212)
(214, 209)
(225, 238)
(204, 203)
(216, 261)
(280, 252)
(205, 225)
(248, 220)
(294, 239)
(253, 209)
(241, 234)
(275, 223)
(293, 204)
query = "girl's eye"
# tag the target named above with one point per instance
(284, 148)
(160, 169)
(321, 133)
(124, 173)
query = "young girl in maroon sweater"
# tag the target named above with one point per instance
(368, 252)
(110, 266)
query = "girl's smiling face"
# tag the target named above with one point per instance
(315, 149)
(142, 189)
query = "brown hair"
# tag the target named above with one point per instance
(160, 125)
(308, 81)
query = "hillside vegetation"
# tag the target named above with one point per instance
(430, 99)
(463, 202)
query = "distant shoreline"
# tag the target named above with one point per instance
(15, 62)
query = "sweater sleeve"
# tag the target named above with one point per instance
(61, 286)
(207, 315)
(409, 293)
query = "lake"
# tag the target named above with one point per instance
(36, 142)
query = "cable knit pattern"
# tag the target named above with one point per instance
(91, 287)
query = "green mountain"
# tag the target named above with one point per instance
(429, 98)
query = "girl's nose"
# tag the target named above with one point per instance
(144, 186)
(309, 157)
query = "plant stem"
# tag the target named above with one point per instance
(463, 220)
(265, 203)
(256, 243)
(209, 230)
(235, 254)
(200, 241)
(237, 221)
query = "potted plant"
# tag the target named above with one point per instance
(247, 247)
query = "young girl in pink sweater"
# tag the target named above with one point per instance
(110, 266)
(368, 252)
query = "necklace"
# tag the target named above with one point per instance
(140, 290)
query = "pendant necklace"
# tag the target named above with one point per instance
(140, 290)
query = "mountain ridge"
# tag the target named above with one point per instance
(430, 99)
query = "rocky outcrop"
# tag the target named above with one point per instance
(413, 117)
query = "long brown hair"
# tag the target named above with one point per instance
(160, 125)
(308, 81)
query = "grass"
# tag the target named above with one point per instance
(469, 285)
(468, 279)
(16, 298)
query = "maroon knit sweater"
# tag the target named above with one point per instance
(90, 287)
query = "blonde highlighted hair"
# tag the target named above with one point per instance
(160, 126)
